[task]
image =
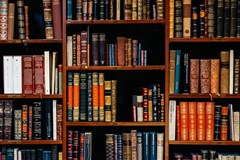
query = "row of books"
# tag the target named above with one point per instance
(125, 52)
(149, 106)
(28, 121)
(24, 15)
(207, 154)
(32, 74)
(135, 145)
(219, 76)
(30, 153)
(90, 97)
(79, 145)
(207, 18)
(115, 10)
(191, 120)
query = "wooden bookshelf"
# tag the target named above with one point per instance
(115, 124)
(21, 96)
(203, 143)
(31, 41)
(30, 142)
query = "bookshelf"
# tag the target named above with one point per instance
(130, 78)
(28, 111)
(201, 45)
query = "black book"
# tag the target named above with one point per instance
(238, 19)
(194, 22)
(219, 18)
(33, 154)
(226, 28)
(54, 152)
(202, 20)
(48, 118)
(217, 122)
(37, 120)
(178, 19)
(233, 20)
(185, 75)
(39, 154)
(95, 9)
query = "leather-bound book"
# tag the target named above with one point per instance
(194, 75)
(205, 74)
(57, 22)
(215, 70)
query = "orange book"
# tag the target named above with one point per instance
(224, 123)
(184, 120)
(210, 121)
(101, 97)
(24, 122)
(76, 96)
(192, 106)
(201, 111)
(178, 123)
(95, 96)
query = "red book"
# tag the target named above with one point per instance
(57, 23)
(178, 123)
(145, 104)
(121, 50)
(27, 65)
(38, 74)
(224, 123)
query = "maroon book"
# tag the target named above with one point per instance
(27, 66)
(38, 74)
(57, 24)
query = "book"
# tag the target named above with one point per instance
(224, 72)
(172, 120)
(205, 75)
(172, 66)
(10, 20)
(187, 18)
(194, 75)
(3, 21)
(201, 121)
(8, 74)
(192, 116)
(48, 19)
(215, 71)
(177, 72)
(184, 117)
(38, 76)
(56, 15)
(17, 72)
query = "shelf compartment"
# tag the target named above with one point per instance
(153, 21)
(199, 95)
(30, 142)
(204, 142)
(30, 96)
(207, 40)
(33, 41)
(150, 67)
(115, 124)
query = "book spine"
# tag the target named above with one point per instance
(217, 122)
(102, 49)
(178, 18)
(70, 96)
(30, 122)
(192, 121)
(59, 121)
(17, 124)
(83, 96)
(7, 119)
(76, 95)
(236, 75)
(74, 49)
(202, 16)
(139, 146)
(119, 146)
(224, 123)
(155, 103)
(108, 101)
(95, 9)
(75, 144)
(95, 53)
(48, 19)
(24, 122)
(37, 120)
(233, 18)
(146, 141)
(215, 70)
(185, 74)
(187, 18)
(172, 119)
(194, 75)
(90, 9)
(205, 75)
(220, 17)
(26, 14)
(17, 72)
(145, 104)
(79, 10)
(95, 95)
(56, 13)
(27, 74)
(38, 64)
(109, 146)
(134, 144)
(177, 72)
(226, 27)
(160, 9)
(114, 100)
(153, 145)
(3, 19)
(210, 121)
(84, 50)
(201, 123)
(211, 18)
(89, 97)
(224, 72)
(69, 10)
(101, 10)
(238, 20)
(184, 120)
(10, 21)
(195, 20)
(49, 119)
(127, 149)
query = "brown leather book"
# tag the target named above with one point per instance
(57, 22)
(215, 70)
(205, 74)
(121, 50)
(192, 121)
(194, 75)
(26, 12)
(11, 17)
(48, 19)
(184, 120)
(201, 125)
(224, 72)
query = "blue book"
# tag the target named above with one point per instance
(83, 96)
(139, 54)
(145, 145)
(119, 147)
(10, 154)
(88, 146)
(69, 9)
(49, 126)
(112, 53)
(109, 55)
(153, 145)
(177, 71)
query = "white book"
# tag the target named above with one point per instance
(54, 59)
(54, 118)
(231, 71)
(8, 74)
(236, 125)
(69, 51)
(118, 9)
(172, 119)
(15, 153)
(47, 72)
(160, 146)
(19, 154)
(139, 108)
(17, 73)
(230, 107)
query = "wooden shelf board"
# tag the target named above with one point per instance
(152, 21)
(150, 67)
(199, 95)
(18, 41)
(194, 40)
(30, 96)
(204, 142)
(29, 142)
(114, 124)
